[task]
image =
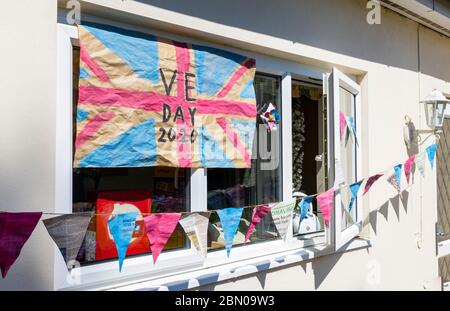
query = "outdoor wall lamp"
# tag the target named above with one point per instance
(435, 105)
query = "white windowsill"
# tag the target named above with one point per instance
(193, 279)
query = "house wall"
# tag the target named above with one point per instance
(397, 63)
(27, 130)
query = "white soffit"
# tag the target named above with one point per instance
(434, 14)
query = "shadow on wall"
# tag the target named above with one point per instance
(412, 146)
(372, 219)
(338, 26)
(324, 265)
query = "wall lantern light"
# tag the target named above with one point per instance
(435, 104)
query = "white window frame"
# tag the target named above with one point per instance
(176, 261)
(338, 80)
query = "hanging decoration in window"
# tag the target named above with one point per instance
(298, 140)
(159, 228)
(121, 227)
(196, 227)
(259, 212)
(68, 232)
(148, 101)
(282, 216)
(271, 117)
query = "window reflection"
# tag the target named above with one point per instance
(259, 184)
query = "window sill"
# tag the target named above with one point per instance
(190, 280)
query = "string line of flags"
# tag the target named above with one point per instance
(68, 230)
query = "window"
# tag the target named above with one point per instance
(276, 174)
(345, 165)
(260, 184)
(309, 174)
(106, 190)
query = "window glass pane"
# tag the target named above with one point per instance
(119, 190)
(144, 190)
(308, 148)
(348, 157)
(256, 185)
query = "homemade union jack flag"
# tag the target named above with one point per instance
(149, 101)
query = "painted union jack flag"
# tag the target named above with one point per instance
(148, 101)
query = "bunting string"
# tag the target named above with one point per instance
(341, 187)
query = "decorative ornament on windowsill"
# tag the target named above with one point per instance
(271, 118)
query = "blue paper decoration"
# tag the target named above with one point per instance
(398, 173)
(431, 152)
(121, 228)
(230, 218)
(354, 188)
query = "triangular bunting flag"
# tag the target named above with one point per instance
(15, 229)
(230, 219)
(159, 229)
(338, 174)
(304, 206)
(420, 163)
(68, 231)
(354, 188)
(259, 212)
(282, 216)
(431, 152)
(343, 124)
(121, 227)
(195, 226)
(370, 181)
(408, 167)
(398, 173)
(394, 182)
(326, 202)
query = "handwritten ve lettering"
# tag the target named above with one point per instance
(184, 135)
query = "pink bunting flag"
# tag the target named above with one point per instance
(408, 167)
(259, 213)
(326, 201)
(159, 229)
(371, 181)
(15, 229)
(343, 124)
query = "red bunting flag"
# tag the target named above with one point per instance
(15, 229)
(159, 229)
(371, 181)
(408, 167)
(326, 201)
(259, 213)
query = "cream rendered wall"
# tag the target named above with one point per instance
(323, 33)
(27, 130)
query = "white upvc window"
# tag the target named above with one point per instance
(343, 94)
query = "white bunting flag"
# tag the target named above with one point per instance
(420, 162)
(282, 216)
(196, 228)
